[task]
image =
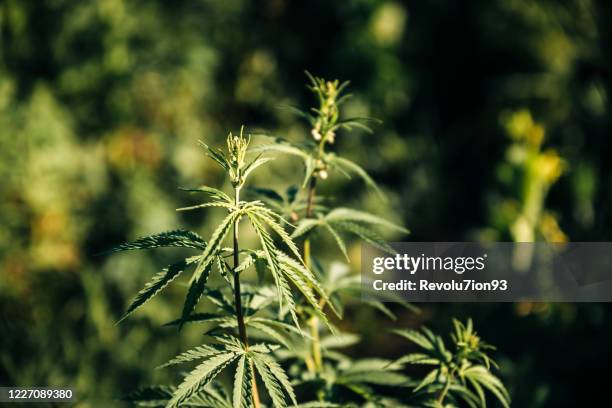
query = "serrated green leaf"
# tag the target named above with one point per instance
(220, 204)
(428, 379)
(175, 238)
(279, 230)
(367, 234)
(269, 250)
(159, 282)
(269, 331)
(196, 289)
(278, 324)
(305, 226)
(352, 167)
(339, 340)
(307, 276)
(199, 352)
(485, 378)
(380, 306)
(200, 318)
(281, 146)
(263, 348)
(216, 239)
(275, 380)
(217, 155)
(271, 384)
(339, 241)
(255, 164)
(348, 214)
(211, 191)
(297, 279)
(211, 396)
(418, 358)
(242, 393)
(310, 166)
(199, 377)
(461, 391)
(479, 392)
(416, 337)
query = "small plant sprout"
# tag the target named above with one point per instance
(462, 373)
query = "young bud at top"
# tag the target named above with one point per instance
(237, 147)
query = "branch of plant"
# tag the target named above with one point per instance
(238, 300)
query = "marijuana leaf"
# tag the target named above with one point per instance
(274, 378)
(346, 167)
(243, 383)
(356, 222)
(202, 375)
(458, 373)
(176, 238)
(159, 282)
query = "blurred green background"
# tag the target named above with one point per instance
(496, 126)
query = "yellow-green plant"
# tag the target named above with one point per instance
(316, 361)
(314, 352)
(257, 328)
(538, 170)
(459, 374)
(225, 348)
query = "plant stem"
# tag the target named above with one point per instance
(237, 293)
(238, 302)
(317, 358)
(256, 403)
(444, 391)
(313, 323)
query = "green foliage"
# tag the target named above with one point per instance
(101, 102)
(176, 238)
(274, 313)
(351, 221)
(325, 121)
(341, 378)
(249, 360)
(461, 373)
(159, 282)
(210, 396)
(323, 370)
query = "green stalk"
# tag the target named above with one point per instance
(313, 323)
(238, 301)
(447, 385)
(316, 363)
(237, 293)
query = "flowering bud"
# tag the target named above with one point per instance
(237, 146)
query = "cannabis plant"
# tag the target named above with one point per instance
(275, 339)
(228, 345)
(316, 360)
(460, 373)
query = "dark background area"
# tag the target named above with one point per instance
(102, 104)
